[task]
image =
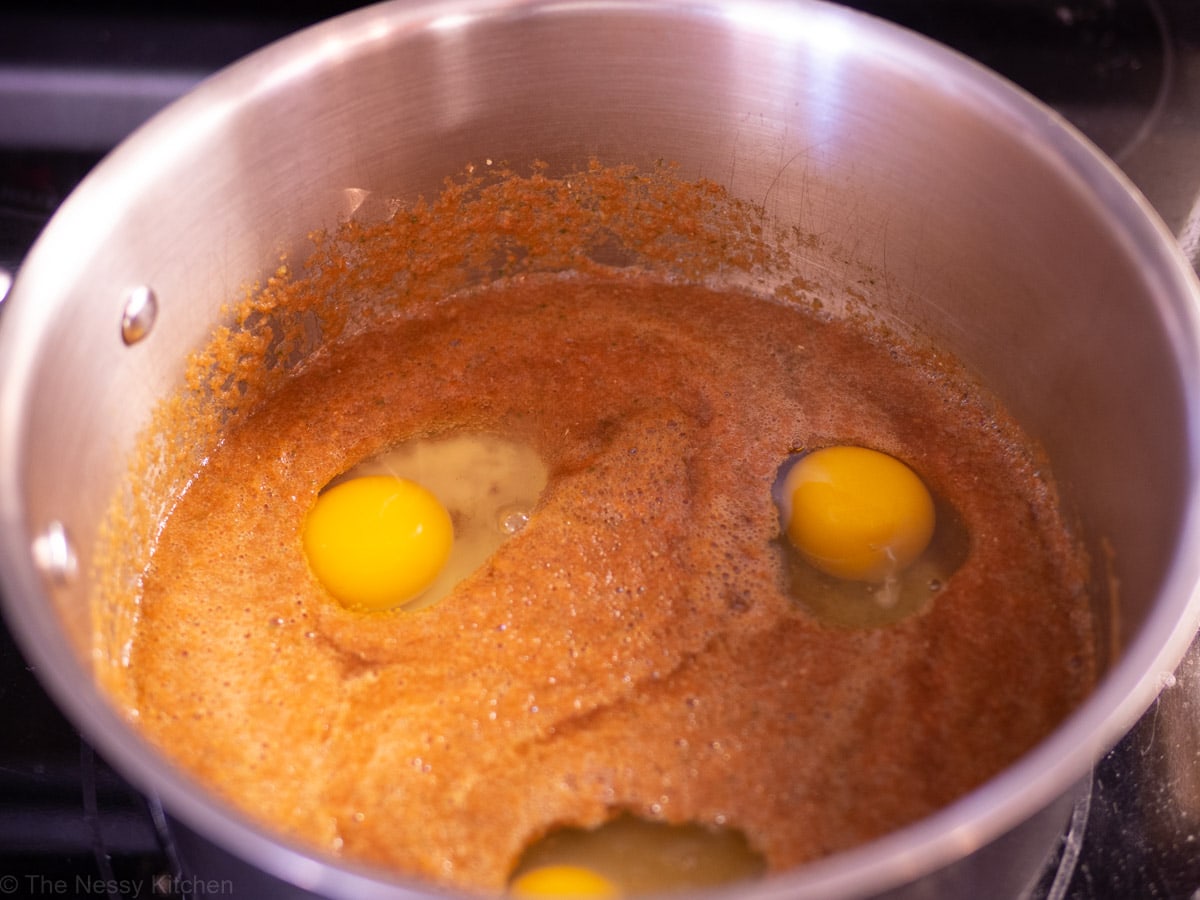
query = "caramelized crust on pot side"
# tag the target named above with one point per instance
(634, 647)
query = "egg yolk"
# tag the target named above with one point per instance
(562, 881)
(856, 513)
(378, 541)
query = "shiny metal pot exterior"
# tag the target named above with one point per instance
(980, 217)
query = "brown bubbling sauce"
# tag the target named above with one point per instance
(635, 647)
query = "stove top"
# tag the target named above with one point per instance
(76, 77)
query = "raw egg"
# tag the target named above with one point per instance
(377, 541)
(630, 856)
(486, 485)
(866, 543)
(856, 513)
(562, 881)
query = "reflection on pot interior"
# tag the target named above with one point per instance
(606, 375)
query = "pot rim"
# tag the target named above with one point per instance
(1037, 779)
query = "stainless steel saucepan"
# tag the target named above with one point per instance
(983, 220)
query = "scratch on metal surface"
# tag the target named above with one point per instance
(1148, 743)
(1072, 848)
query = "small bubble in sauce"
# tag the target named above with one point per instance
(513, 519)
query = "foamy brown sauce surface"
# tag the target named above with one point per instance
(633, 648)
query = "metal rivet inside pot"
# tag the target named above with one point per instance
(54, 554)
(141, 309)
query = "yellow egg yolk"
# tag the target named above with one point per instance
(562, 881)
(856, 513)
(378, 541)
